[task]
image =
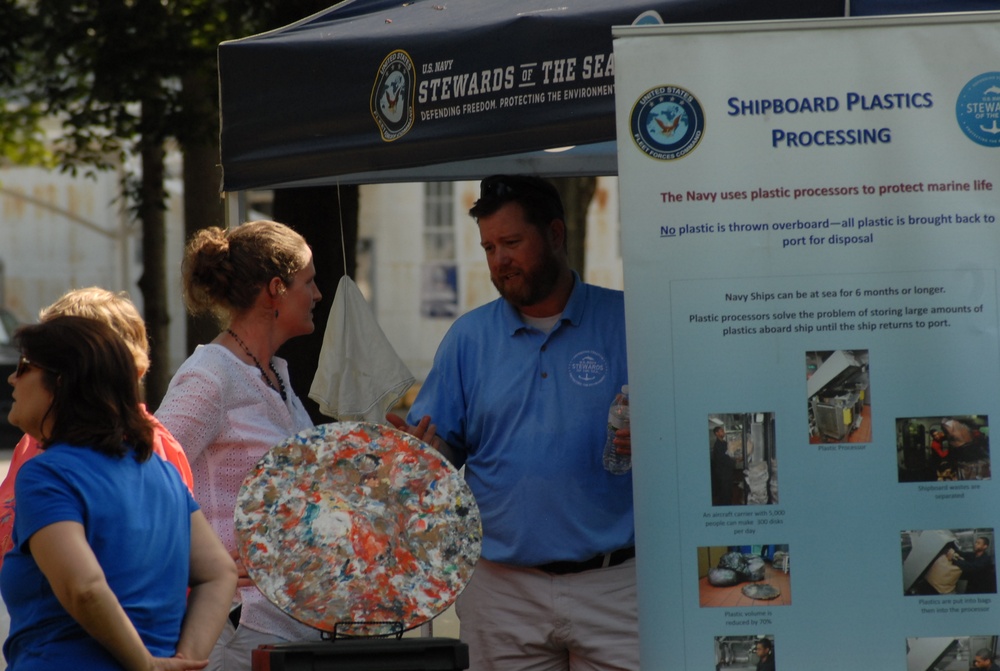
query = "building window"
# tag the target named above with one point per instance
(439, 222)
(439, 279)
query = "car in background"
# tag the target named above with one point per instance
(9, 355)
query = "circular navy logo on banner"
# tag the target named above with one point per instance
(588, 368)
(667, 123)
(393, 94)
(978, 109)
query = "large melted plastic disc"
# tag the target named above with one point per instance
(355, 522)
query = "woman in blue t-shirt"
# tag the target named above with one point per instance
(113, 564)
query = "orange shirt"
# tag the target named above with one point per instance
(164, 445)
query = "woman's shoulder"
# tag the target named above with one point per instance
(199, 386)
(212, 356)
(210, 366)
(61, 457)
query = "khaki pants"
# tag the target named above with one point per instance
(518, 619)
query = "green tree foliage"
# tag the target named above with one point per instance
(121, 78)
(108, 74)
(21, 136)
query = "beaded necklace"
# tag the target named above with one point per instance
(263, 374)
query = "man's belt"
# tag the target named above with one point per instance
(600, 561)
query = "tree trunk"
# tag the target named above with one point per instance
(153, 282)
(203, 204)
(316, 212)
(576, 193)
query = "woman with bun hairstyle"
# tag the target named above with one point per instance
(231, 401)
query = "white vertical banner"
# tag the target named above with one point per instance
(811, 246)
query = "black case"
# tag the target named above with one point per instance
(370, 654)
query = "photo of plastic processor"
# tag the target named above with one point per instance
(838, 396)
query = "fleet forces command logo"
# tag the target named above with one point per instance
(667, 122)
(978, 109)
(393, 95)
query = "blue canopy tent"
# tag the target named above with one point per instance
(384, 90)
(388, 90)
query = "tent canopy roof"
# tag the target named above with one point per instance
(383, 90)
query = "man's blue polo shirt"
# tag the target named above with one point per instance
(527, 413)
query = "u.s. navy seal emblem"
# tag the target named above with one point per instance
(667, 122)
(393, 95)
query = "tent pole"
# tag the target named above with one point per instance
(235, 203)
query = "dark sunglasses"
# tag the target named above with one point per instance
(24, 363)
(495, 188)
(509, 186)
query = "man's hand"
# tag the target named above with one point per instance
(425, 431)
(623, 441)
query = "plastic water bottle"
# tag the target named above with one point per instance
(618, 418)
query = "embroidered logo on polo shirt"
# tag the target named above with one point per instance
(588, 368)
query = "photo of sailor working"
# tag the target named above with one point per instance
(744, 653)
(742, 459)
(943, 448)
(952, 653)
(948, 561)
(733, 576)
(839, 396)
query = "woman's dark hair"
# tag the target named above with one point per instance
(91, 374)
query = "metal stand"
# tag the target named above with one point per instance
(395, 630)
